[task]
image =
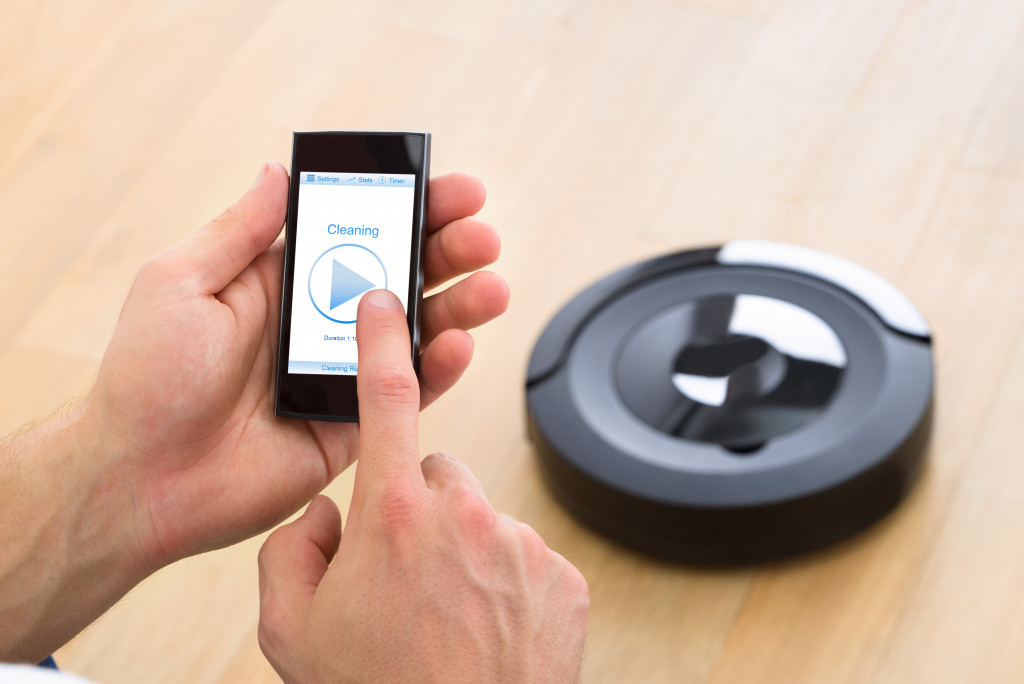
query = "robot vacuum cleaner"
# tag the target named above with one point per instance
(733, 404)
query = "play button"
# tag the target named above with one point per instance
(340, 276)
(346, 284)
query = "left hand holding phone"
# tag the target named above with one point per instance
(185, 387)
(176, 450)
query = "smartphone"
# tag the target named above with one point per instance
(356, 208)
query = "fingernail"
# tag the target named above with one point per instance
(262, 174)
(383, 299)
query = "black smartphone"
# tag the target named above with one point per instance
(356, 209)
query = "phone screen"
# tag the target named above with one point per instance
(353, 234)
(356, 209)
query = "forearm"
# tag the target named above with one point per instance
(68, 546)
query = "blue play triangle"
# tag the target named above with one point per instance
(346, 284)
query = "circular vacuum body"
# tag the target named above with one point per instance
(732, 404)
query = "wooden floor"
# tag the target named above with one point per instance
(890, 132)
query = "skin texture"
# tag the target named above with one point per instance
(428, 583)
(176, 449)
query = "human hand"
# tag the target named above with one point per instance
(183, 402)
(428, 583)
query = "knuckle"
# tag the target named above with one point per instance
(436, 461)
(576, 589)
(533, 544)
(269, 634)
(394, 384)
(272, 629)
(578, 585)
(447, 471)
(264, 637)
(475, 515)
(570, 582)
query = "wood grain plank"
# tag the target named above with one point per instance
(998, 143)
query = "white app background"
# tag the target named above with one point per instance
(353, 235)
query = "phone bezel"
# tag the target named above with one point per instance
(333, 397)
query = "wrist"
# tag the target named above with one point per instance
(70, 540)
(109, 492)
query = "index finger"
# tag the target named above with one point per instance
(453, 196)
(389, 394)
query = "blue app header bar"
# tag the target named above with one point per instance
(378, 180)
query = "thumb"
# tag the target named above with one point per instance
(292, 563)
(221, 249)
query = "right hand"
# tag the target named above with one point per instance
(428, 583)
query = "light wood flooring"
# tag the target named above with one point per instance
(890, 132)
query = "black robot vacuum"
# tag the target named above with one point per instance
(732, 404)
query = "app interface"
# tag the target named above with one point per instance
(353, 235)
